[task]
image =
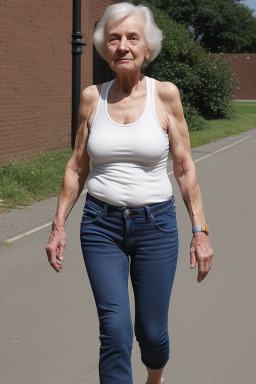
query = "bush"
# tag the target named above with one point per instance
(205, 81)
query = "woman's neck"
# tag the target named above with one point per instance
(127, 83)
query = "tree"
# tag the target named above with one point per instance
(220, 25)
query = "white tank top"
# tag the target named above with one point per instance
(129, 161)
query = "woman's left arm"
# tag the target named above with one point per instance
(185, 174)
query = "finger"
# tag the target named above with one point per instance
(61, 250)
(203, 269)
(56, 265)
(208, 265)
(208, 262)
(192, 259)
(201, 276)
(59, 265)
(51, 252)
(53, 259)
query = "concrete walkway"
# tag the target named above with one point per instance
(49, 327)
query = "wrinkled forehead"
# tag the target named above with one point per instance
(133, 23)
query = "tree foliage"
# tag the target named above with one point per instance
(204, 79)
(221, 25)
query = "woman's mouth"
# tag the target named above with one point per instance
(123, 59)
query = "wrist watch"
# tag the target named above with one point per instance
(201, 228)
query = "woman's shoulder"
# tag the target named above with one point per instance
(169, 97)
(166, 90)
(90, 94)
(89, 101)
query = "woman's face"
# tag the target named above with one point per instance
(125, 44)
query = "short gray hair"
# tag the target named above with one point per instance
(119, 11)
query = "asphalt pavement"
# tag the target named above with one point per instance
(49, 326)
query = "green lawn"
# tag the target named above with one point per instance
(246, 107)
(245, 119)
(34, 179)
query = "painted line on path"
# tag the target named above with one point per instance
(85, 190)
(35, 229)
(28, 232)
(214, 152)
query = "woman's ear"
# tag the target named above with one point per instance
(148, 54)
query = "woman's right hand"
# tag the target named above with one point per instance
(76, 173)
(56, 246)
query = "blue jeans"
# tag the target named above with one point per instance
(144, 240)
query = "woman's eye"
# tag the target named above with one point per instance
(113, 40)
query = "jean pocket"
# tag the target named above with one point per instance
(165, 221)
(90, 214)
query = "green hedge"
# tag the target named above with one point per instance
(205, 81)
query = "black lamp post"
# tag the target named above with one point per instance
(76, 65)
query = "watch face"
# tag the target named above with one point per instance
(205, 228)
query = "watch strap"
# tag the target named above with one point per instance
(201, 228)
(197, 229)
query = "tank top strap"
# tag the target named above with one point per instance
(152, 93)
(148, 104)
(101, 102)
(104, 91)
(153, 109)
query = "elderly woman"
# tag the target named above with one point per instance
(127, 127)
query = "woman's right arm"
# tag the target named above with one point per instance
(76, 173)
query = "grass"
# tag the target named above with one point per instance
(40, 177)
(244, 120)
(4, 245)
(24, 182)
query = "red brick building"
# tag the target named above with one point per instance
(244, 67)
(35, 73)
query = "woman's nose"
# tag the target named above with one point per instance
(123, 46)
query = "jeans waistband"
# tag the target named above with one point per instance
(147, 211)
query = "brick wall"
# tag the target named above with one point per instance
(244, 67)
(35, 73)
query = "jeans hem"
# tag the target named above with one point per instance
(154, 367)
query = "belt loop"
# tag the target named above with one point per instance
(105, 210)
(147, 212)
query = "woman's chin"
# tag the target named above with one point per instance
(124, 67)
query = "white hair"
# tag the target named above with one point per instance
(119, 11)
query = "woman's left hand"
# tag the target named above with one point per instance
(201, 253)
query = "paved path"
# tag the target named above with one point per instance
(49, 328)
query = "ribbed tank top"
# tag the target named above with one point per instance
(129, 161)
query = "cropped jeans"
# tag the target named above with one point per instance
(115, 240)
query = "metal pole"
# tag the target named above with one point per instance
(76, 65)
